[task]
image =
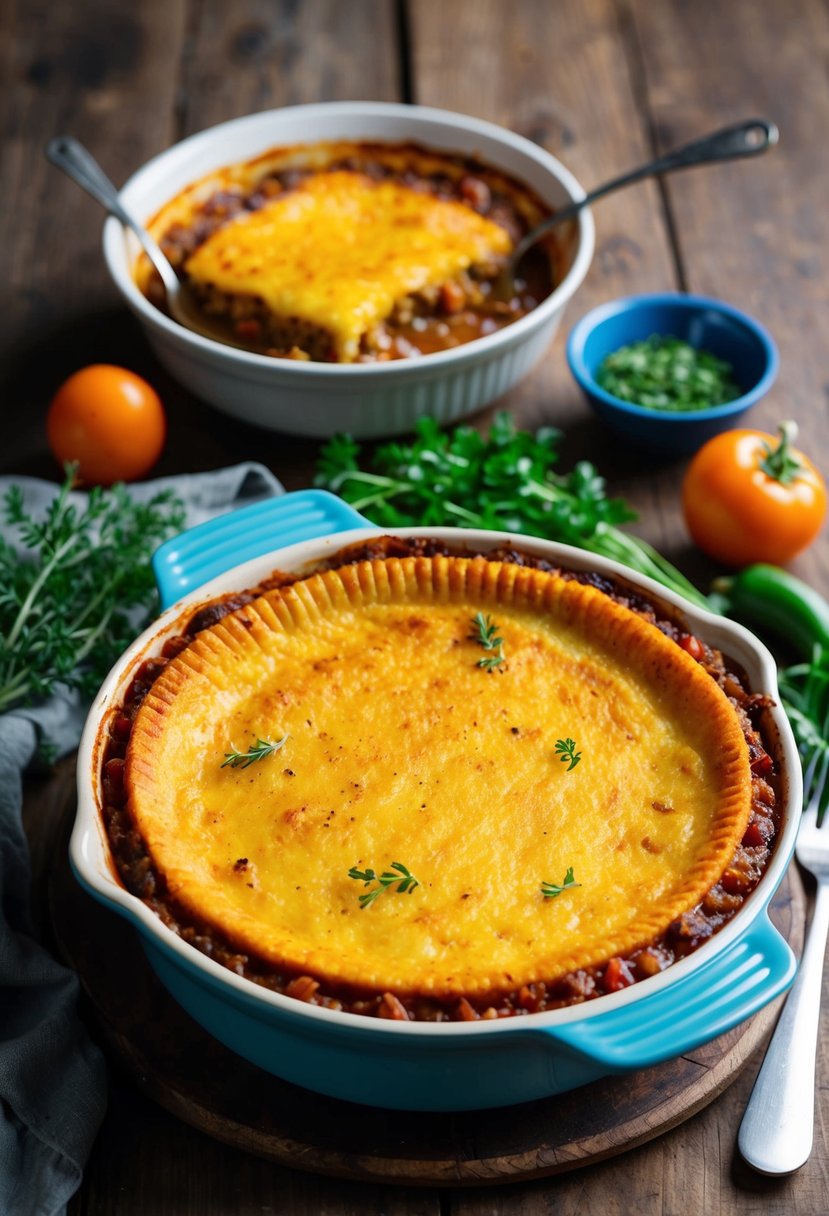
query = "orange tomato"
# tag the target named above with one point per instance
(750, 497)
(109, 421)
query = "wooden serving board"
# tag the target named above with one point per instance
(172, 1060)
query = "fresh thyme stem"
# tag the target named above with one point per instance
(77, 589)
(34, 591)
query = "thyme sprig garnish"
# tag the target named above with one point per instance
(260, 749)
(485, 633)
(76, 585)
(398, 878)
(551, 889)
(567, 754)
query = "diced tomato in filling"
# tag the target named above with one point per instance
(121, 728)
(618, 975)
(759, 831)
(250, 330)
(113, 780)
(761, 761)
(692, 646)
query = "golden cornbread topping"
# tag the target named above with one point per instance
(428, 783)
(353, 252)
(340, 250)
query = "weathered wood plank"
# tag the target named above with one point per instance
(754, 233)
(147, 1163)
(107, 75)
(262, 54)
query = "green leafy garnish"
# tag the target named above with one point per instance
(82, 589)
(804, 691)
(664, 373)
(260, 749)
(398, 877)
(567, 754)
(504, 481)
(551, 889)
(485, 633)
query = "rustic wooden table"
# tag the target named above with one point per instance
(600, 83)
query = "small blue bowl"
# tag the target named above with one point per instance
(702, 322)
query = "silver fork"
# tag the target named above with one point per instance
(778, 1125)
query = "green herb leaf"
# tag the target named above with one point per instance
(804, 691)
(397, 878)
(551, 889)
(567, 754)
(504, 481)
(260, 749)
(81, 590)
(667, 374)
(485, 633)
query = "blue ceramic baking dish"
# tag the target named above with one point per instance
(446, 1066)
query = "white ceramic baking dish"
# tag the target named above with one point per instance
(320, 399)
(458, 1065)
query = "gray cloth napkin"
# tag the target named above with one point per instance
(52, 1078)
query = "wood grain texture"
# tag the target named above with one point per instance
(106, 74)
(262, 54)
(754, 233)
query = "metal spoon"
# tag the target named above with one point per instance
(74, 159)
(745, 139)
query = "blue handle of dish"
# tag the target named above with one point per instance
(201, 553)
(752, 971)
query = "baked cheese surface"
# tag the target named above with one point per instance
(400, 748)
(339, 250)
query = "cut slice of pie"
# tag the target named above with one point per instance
(325, 262)
(402, 748)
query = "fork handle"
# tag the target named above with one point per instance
(778, 1126)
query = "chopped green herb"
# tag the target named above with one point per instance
(485, 633)
(504, 481)
(665, 373)
(80, 590)
(260, 749)
(551, 889)
(398, 877)
(567, 754)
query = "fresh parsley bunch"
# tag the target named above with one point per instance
(504, 481)
(77, 588)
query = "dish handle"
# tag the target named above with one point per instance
(199, 554)
(744, 977)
